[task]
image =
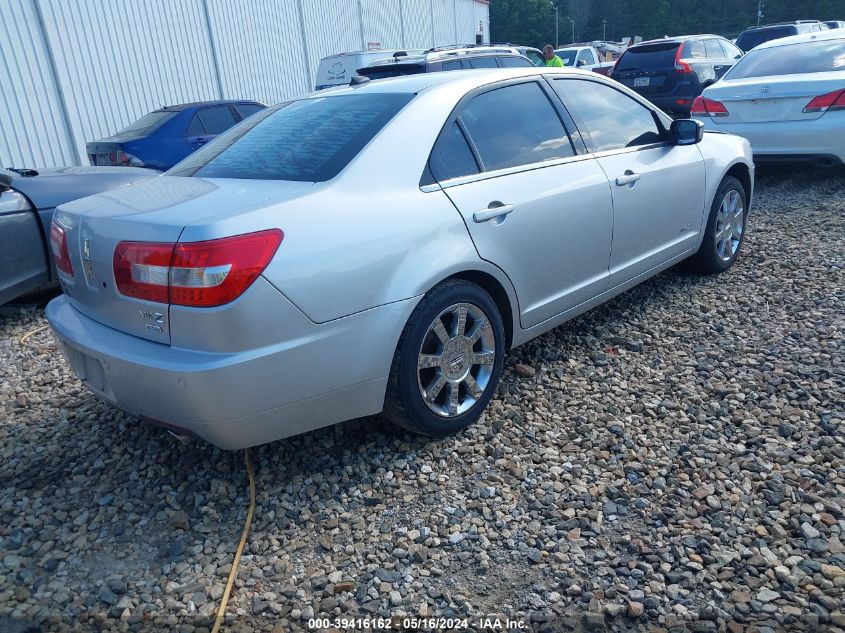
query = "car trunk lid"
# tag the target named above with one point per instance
(650, 68)
(770, 99)
(155, 211)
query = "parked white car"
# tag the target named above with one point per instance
(787, 97)
(338, 70)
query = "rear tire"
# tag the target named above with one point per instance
(725, 231)
(448, 361)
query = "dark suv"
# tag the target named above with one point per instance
(436, 60)
(756, 35)
(672, 72)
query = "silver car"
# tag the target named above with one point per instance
(379, 248)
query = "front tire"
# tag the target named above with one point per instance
(725, 230)
(448, 361)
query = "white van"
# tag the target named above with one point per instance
(338, 70)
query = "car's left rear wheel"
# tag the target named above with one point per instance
(448, 361)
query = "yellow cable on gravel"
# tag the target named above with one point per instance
(221, 612)
(32, 332)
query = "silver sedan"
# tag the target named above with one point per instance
(378, 248)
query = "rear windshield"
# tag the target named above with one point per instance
(147, 123)
(649, 57)
(393, 70)
(309, 140)
(747, 41)
(806, 57)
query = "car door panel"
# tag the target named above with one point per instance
(658, 215)
(23, 260)
(555, 242)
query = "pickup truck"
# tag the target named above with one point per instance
(584, 57)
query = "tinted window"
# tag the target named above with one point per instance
(452, 157)
(306, 140)
(612, 119)
(393, 70)
(216, 120)
(248, 109)
(146, 124)
(731, 51)
(483, 62)
(195, 127)
(806, 57)
(453, 65)
(713, 48)
(515, 125)
(513, 62)
(648, 57)
(747, 41)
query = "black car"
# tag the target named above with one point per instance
(442, 59)
(756, 35)
(673, 71)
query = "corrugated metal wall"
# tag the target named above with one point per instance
(81, 70)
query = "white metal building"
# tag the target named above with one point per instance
(78, 70)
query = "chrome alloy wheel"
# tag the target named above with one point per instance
(730, 223)
(456, 360)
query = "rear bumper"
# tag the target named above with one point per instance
(323, 374)
(790, 141)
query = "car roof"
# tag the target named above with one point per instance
(677, 38)
(439, 56)
(461, 80)
(831, 34)
(198, 104)
(776, 25)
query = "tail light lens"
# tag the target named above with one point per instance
(831, 101)
(196, 274)
(702, 106)
(58, 244)
(681, 67)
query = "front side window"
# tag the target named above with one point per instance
(216, 120)
(536, 58)
(513, 62)
(731, 51)
(806, 57)
(309, 140)
(567, 57)
(248, 109)
(612, 119)
(483, 62)
(515, 125)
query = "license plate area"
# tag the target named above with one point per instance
(89, 370)
(641, 82)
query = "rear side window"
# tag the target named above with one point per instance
(217, 119)
(806, 57)
(695, 49)
(483, 62)
(713, 49)
(612, 119)
(515, 125)
(513, 62)
(195, 127)
(309, 140)
(452, 157)
(649, 57)
(731, 51)
(536, 58)
(248, 109)
(453, 65)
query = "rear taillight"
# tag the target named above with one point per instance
(831, 101)
(681, 67)
(702, 106)
(197, 274)
(58, 244)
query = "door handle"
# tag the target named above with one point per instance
(628, 178)
(494, 210)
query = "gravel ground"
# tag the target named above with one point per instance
(673, 459)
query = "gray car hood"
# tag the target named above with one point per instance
(55, 186)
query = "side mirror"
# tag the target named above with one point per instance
(582, 62)
(686, 131)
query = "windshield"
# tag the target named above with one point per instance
(568, 57)
(806, 57)
(747, 41)
(649, 57)
(309, 140)
(147, 123)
